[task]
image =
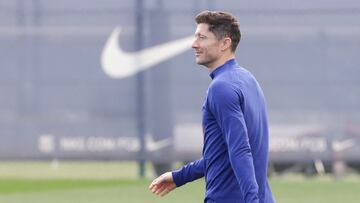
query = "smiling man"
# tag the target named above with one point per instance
(234, 119)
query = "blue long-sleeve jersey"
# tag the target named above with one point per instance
(235, 152)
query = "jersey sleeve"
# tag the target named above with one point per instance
(189, 172)
(225, 105)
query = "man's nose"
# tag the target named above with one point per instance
(195, 44)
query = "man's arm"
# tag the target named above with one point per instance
(189, 172)
(225, 106)
(170, 180)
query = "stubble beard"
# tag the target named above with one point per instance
(206, 61)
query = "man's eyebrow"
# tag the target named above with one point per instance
(199, 34)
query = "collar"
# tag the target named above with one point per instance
(227, 65)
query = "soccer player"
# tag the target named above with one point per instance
(234, 121)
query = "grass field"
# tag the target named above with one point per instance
(110, 182)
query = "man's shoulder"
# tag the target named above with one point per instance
(230, 79)
(223, 90)
(219, 84)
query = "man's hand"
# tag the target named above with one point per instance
(163, 184)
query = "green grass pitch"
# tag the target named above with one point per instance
(108, 182)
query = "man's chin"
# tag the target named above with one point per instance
(202, 64)
(199, 62)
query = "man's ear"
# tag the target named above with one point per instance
(226, 44)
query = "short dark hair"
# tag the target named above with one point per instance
(222, 24)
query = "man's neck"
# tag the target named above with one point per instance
(220, 62)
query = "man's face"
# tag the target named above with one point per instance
(207, 47)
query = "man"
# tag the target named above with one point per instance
(235, 152)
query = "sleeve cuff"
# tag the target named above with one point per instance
(177, 177)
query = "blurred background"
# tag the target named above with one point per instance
(115, 81)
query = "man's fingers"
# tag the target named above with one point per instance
(155, 188)
(165, 191)
(154, 183)
(158, 180)
(160, 189)
(151, 186)
(162, 185)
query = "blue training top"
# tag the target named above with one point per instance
(235, 152)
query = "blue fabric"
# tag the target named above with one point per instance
(235, 152)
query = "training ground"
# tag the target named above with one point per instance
(117, 182)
